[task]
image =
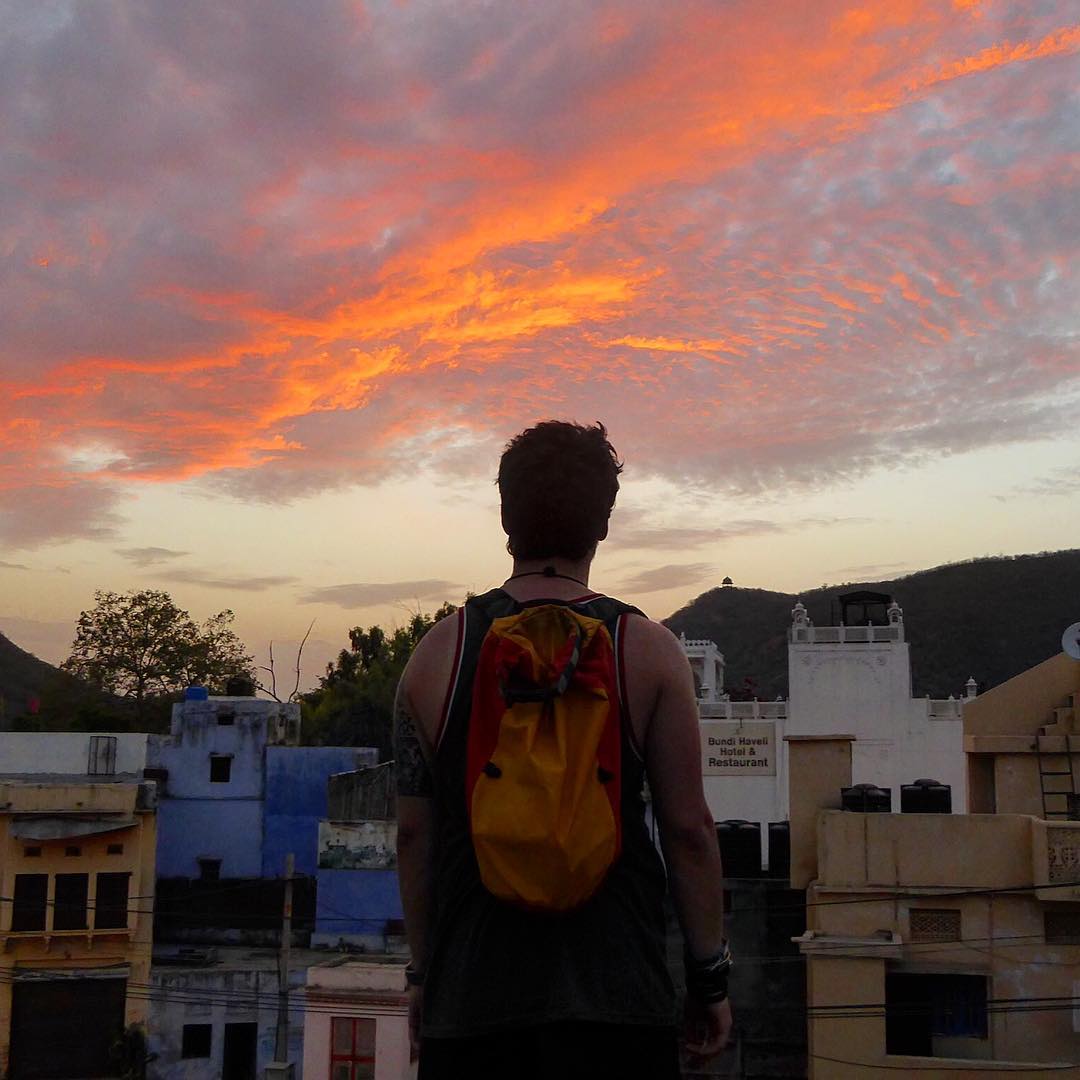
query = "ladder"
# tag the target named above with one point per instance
(1059, 801)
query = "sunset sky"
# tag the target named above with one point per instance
(278, 281)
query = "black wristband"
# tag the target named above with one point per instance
(707, 980)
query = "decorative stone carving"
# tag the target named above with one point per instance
(1063, 855)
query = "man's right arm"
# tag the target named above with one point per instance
(687, 830)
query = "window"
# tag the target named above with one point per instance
(1073, 809)
(32, 853)
(195, 1041)
(115, 849)
(932, 1015)
(28, 910)
(220, 768)
(935, 924)
(69, 909)
(226, 718)
(72, 850)
(101, 758)
(352, 1048)
(111, 901)
(1062, 927)
(209, 869)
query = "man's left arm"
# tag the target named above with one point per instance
(415, 842)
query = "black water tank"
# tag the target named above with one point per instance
(866, 799)
(780, 850)
(240, 686)
(740, 848)
(925, 797)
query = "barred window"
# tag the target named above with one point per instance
(935, 924)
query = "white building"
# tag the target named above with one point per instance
(846, 679)
(356, 1021)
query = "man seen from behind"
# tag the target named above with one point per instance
(539, 950)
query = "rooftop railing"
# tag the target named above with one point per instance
(743, 710)
(841, 635)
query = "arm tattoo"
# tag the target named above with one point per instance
(412, 773)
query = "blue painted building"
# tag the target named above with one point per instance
(357, 898)
(296, 782)
(237, 792)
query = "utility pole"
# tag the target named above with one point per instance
(281, 1046)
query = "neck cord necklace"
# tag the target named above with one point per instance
(548, 572)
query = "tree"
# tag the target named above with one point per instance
(142, 647)
(354, 703)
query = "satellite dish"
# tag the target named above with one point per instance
(1070, 641)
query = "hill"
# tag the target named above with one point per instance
(991, 618)
(23, 679)
(35, 696)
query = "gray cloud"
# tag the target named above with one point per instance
(12, 566)
(237, 583)
(673, 576)
(1064, 480)
(372, 594)
(71, 510)
(149, 556)
(638, 533)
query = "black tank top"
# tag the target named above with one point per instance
(492, 965)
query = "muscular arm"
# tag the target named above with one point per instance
(673, 765)
(416, 715)
(687, 833)
(416, 824)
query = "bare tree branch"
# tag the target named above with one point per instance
(300, 652)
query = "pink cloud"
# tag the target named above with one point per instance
(291, 251)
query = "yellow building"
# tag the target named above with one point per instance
(941, 945)
(76, 917)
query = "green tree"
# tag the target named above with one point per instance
(141, 647)
(354, 702)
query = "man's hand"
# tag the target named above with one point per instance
(708, 1028)
(416, 1007)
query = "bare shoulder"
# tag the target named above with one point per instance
(428, 672)
(656, 670)
(654, 647)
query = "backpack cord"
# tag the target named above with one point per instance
(548, 572)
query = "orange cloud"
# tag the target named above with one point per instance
(714, 223)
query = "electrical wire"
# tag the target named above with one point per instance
(966, 1067)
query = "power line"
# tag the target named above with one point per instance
(967, 1067)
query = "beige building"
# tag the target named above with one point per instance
(76, 915)
(942, 945)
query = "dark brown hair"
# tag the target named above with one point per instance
(558, 482)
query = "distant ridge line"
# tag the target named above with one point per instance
(989, 617)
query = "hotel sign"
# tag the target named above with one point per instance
(731, 748)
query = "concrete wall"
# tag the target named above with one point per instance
(925, 850)
(865, 690)
(355, 905)
(296, 779)
(218, 996)
(212, 828)
(66, 752)
(358, 989)
(1025, 702)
